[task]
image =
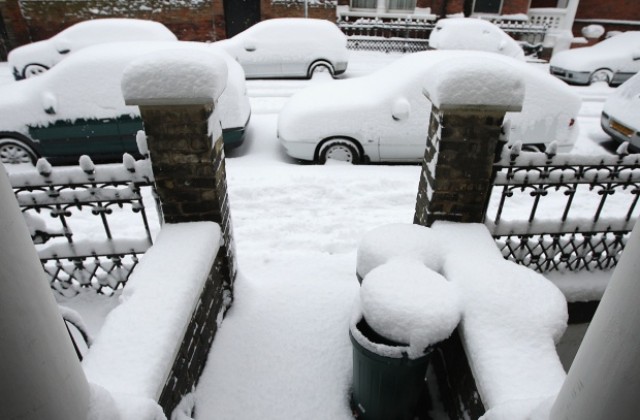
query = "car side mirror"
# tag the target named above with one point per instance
(49, 103)
(401, 109)
(62, 46)
(249, 46)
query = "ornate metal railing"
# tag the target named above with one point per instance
(387, 45)
(386, 28)
(412, 34)
(88, 239)
(523, 30)
(564, 212)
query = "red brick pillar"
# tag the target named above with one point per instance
(184, 137)
(469, 100)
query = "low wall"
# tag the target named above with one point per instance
(154, 346)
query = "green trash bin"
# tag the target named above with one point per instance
(385, 388)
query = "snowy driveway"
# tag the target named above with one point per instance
(283, 351)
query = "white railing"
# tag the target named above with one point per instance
(552, 17)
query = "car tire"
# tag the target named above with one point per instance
(32, 70)
(601, 75)
(339, 149)
(320, 66)
(14, 151)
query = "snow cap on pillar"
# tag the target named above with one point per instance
(474, 83)
(174, 77)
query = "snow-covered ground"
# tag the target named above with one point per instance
(283, 351)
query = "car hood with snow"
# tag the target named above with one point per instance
(386, 115)
(624, 103)
(613, 53)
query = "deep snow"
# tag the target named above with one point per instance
(283, 351)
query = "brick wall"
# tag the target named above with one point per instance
(599, 12)
(457, 167)
(190, 20)
(511, 7)
(197, 340)
(270, 11)
(618, 9)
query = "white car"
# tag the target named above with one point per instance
(33, 59)
(78, 108)
(621, 113)
(383, 117)
(473, 34)
(613, 61)
(289, 47)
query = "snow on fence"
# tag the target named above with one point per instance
(94, 198)
(408, 35)
(564, 212)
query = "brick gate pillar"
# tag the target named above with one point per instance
(184, 137)
(470, 98)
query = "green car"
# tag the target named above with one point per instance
(77, 108)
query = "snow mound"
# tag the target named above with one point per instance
(187, 75)
(474, 81)
(407, 302)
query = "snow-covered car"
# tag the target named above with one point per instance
(621, 113)
(384, 116)
(289, 47)
(33, 59)
(613, 61)
(473, 34)
(78, 108)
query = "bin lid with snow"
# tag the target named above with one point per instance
(407, 302)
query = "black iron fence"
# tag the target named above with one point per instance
(564, 212)
(80, 220)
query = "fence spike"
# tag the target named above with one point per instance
(44, 167)
(623, 149)
(87, 165)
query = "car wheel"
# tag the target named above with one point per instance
(339, 149)
(601, 75)
(320, 67)
(14, 151)
(33, 70)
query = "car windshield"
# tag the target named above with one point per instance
(625, 40)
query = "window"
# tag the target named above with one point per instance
(487, 6)
(364, 4)
(401, 4)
